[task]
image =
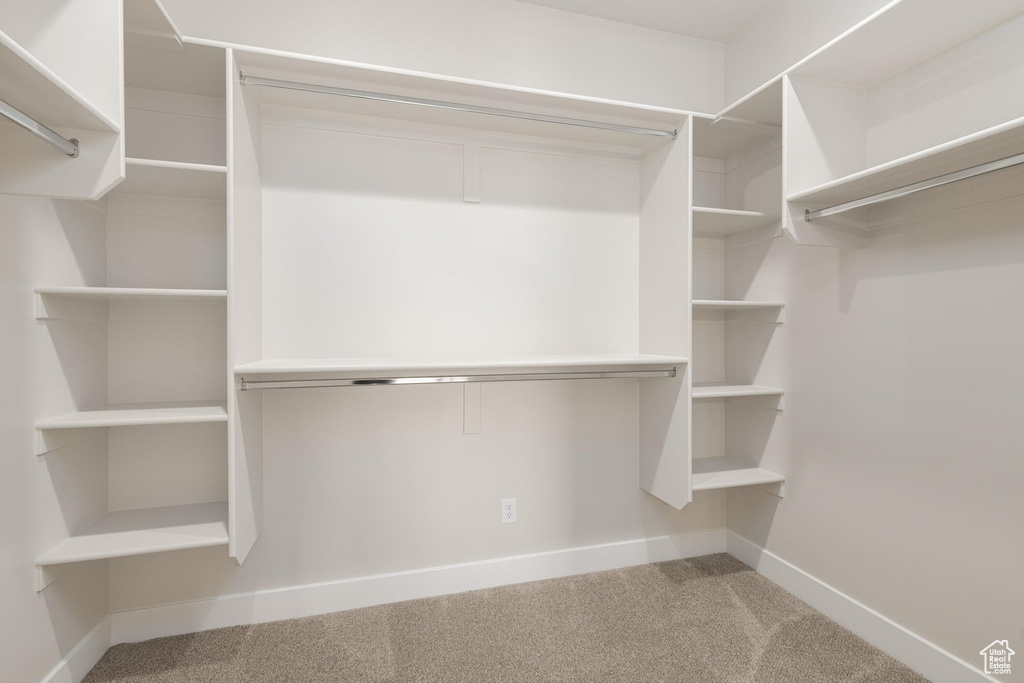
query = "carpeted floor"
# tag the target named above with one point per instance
(706, 620)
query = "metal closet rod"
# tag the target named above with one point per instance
(69, 147)
(453, 106)
(906, 190)
(246, 385)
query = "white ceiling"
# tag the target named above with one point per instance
(709, 19)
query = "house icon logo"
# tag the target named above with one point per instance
(997, 657)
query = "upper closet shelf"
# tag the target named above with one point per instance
(138, 532)
(363, 90)
(174, 179)
(133, 294)
(434, 363)
(711, 222)
(979, 148)
(29, 86)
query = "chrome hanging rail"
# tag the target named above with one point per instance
(69, 147)
(906, 190)
(246, 385)
(453, 106)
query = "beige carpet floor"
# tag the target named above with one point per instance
(705, 620)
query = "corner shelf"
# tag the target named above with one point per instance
(138, 532)
(28, 85)
(133, 294)
(174, 179)
(137, 414)
(420, 363)
(727, 473)
(712, 390)
(724, 305)
(991, 144)
(712, 222)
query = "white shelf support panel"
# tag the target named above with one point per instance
(738, 312)
(727, 473)
(125, 533)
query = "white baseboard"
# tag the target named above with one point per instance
(335, 596)
(83, 657)
(928, 659)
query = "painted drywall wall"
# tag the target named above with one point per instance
(47, 369)
(495, 40)
(901, 435)
(784, 33)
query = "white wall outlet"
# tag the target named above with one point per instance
(508, 510)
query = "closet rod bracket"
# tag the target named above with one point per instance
(68, 146)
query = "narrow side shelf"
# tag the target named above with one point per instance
(723, 305)
(718, 390)
(727, 473)
(712, 222)
(425, 363)
(133, 294)
(988, 145)
(138, 532)
(174, 179)
(137, 414)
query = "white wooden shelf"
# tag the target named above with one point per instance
(712, 222)
(405, 364)
(137, 414)
(133, 294)
(29, 86)
(988, 145)
(139, 532)
(351, 75)
(723, 305)
(727, 473)
(719, 390)
(174, 179)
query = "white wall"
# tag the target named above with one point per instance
(784, 33)
(902, 431)
(47, 369)
(496, 40)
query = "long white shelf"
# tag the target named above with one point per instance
(133, 293)
(29, 86)
(712, 222)
(138, 532)
(174, 179)
(994, 143)
(718, 390)
(727, 473)
(399, 364)
(724, 305)
(137, 414)
(262, 63)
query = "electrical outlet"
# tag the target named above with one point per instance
(508, 510)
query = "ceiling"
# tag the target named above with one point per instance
(714, 20)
